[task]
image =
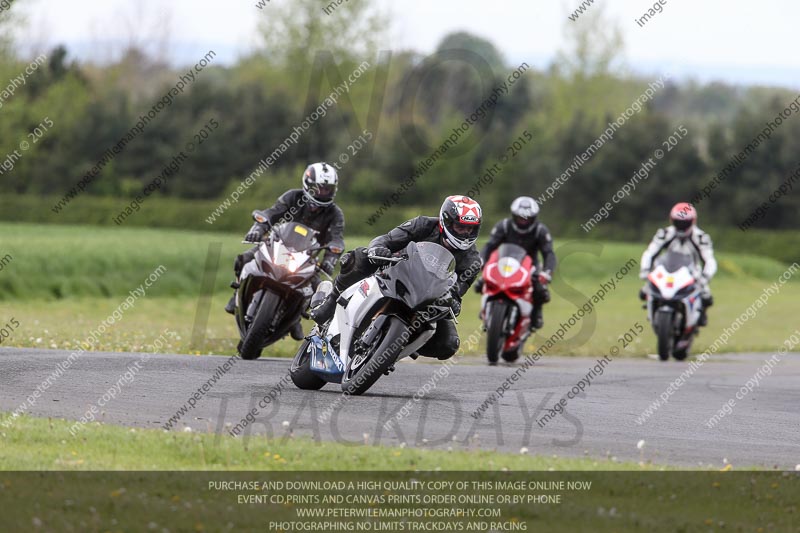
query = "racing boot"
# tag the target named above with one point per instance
(707, 301)
(326, 309)
(296, 331)
(230, 307)
(537, 321)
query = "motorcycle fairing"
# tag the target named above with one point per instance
(669, 283)
(283, 265)
(673, 286)
(325, 362)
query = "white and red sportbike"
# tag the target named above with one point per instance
(674, 304)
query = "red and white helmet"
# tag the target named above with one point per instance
(683, 216)
(460, 220)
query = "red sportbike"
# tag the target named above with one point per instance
(507, 301)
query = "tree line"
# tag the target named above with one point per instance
(410, 104)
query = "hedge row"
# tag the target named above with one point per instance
(192, 214)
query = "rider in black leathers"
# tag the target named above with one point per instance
(312, 206)
(524, 229)
(456, 229)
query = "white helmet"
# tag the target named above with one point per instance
(524, 211)
(320, 181)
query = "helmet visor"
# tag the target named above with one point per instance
(323, 192)
(465, 231)
(681, 224)
(523, 222)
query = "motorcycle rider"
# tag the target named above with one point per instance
(312, 206)
(456, 229)
(683, 236)
(524, 229)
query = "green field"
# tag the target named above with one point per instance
(62, 281)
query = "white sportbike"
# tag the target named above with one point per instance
(379, 320)
(674, 303)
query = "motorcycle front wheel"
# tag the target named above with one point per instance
(495, 334)
(664, 331)
(253, 341)
(365, 367)
(300, 371)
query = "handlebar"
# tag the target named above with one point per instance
(387, 259)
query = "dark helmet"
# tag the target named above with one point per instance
(460, 221)
(320, 181)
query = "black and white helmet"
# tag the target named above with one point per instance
(319, 184)
(524, 211)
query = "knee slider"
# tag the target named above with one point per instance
(450, 349)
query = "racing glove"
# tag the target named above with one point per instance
(378, 251)
(545, 277)
(455, 301)
(327, 267)
(478, 287)
(256, 233)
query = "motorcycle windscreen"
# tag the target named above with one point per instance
(673, 261)
(513, 251)
(296, 237)
(510, 258)
(427, 274)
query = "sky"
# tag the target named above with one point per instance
(739, 42)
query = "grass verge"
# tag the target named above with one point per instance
(46, 444)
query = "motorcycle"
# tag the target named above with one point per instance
(378, 321)
(507, 301)
(274, 288)
(674, 304)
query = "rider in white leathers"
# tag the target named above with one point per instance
(683, 236)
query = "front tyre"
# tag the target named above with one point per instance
(300, 371)
(371, 362)
(253, 341)
(495, 332)
(664, 332)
